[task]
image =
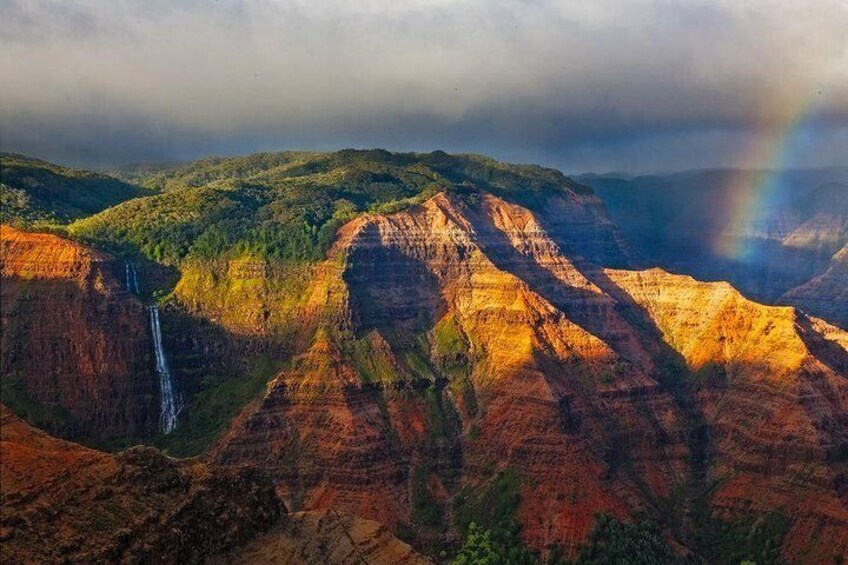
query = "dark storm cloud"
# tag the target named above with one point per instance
(643, 84)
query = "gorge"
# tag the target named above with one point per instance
(385, 352)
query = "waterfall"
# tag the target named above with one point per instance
(132, 278)
(171, 403)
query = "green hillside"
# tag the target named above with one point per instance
(287, 206)
(36, 193)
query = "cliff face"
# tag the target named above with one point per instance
(455, 342)
(449, 343)
(826, 294)
(64, 503)
(327, 538)
(76, 344)
(771, 386)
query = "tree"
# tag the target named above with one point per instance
(478, 548)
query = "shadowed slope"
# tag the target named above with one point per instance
(36, 192)
(76, 345)
(63, 503)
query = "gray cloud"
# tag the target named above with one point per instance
(643, 84)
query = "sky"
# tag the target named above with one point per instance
(633, 86)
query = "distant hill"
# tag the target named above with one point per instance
(765, 233)
(826, 294)
(35, 192)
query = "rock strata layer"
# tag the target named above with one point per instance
(456, 341)
(76, 347)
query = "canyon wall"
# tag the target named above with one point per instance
(76, 349)
(453, 345)
(771, 386)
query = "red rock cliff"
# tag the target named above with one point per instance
(456, 339)
(76, 351)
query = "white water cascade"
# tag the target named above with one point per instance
(171, 402)
(132, 278)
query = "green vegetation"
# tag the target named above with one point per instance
(372, 363)
(491, 505)
(452, 352)
(611, 543)
(438, 465)
(492, 547)
(426, 511)
(756, 538)
(451, 345)
(487, 516)
(37, 194)
(214, 406)
(288, 206)
(482, 547)
(615, 543)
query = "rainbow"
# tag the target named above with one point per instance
(756, 181)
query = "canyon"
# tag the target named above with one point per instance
(455, 342)
(481, 353)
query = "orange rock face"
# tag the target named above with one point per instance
(458, 338)
(472, 344)
(772, 389)
(75, 344)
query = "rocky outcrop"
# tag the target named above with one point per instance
(827, 294)
(64, 503)
(328, 538)
(76, 350)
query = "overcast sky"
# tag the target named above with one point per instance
(642, 85)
